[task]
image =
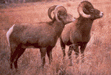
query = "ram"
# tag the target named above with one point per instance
(77, 33)
(41, 35)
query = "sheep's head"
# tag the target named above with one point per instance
(87, 10)
(60, 14)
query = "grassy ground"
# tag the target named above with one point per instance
(97, 53)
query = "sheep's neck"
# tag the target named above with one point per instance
(84, 25)
(58, 27)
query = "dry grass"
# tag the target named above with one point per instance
(97, 53)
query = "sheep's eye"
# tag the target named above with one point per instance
(92, 10)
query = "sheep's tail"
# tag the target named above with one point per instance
(9, 33)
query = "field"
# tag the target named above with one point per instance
(97, 53)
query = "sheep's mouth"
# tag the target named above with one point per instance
(101, 14)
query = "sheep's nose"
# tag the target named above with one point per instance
(74, 19)
(101, 14)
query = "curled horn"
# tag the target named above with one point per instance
(50, 10)
(57, 9)
(81, 6)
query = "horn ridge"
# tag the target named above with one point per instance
(57, 9)
(81, 6)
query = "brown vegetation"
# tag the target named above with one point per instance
(97, 53)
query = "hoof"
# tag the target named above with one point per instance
(82, 61)
(70, 64)
(77, 61)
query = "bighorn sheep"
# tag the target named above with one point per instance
(41, 35)
(77, 33)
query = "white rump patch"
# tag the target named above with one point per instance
(9, 33)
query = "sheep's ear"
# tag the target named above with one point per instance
(85, 11)
(61, 16)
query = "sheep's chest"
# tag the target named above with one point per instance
(80, 37)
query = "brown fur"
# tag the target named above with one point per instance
(77, 33)
(41, 35)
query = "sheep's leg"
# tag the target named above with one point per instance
(49, 53)
(18, 54)
(11, 59)
(12, 55)
(76, 50)
(43, 53)
(82, 48)
(69, 54)
(63, 48)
